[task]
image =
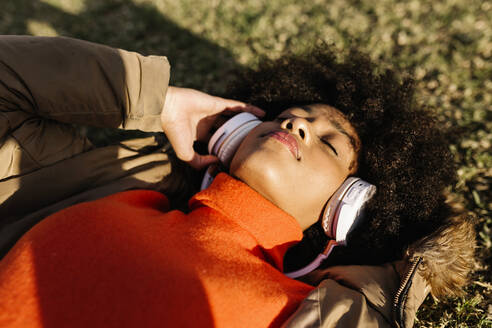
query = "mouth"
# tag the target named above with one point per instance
(288, 140)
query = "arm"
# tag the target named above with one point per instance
(74, 81)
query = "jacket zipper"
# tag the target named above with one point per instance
(397, 301)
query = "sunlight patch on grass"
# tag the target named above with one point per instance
(74, 7)
(39, 28)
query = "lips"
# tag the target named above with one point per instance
(288, 140)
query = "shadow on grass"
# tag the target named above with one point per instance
(196, 62)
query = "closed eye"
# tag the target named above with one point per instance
(326, 142)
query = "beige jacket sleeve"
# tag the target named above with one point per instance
(75, 81)
(45, 82)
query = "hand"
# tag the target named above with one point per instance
(189, 114)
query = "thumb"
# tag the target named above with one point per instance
(198, 162)
(182, 147)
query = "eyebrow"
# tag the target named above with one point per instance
(338, 127)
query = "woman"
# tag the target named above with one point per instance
(126, 259)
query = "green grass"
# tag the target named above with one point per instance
(446, 44)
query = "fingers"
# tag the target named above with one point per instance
(185, 156)
(237, 106)
(256, 111)
(181, 139)
(199, 162)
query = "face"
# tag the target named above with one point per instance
(298, 160)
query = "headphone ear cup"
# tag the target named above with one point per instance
(233, 141)
(345, 208)
(227, 129)
(227, 139)
(330, 214)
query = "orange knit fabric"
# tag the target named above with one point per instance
(126, 261)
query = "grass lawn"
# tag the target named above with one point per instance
(446, 45)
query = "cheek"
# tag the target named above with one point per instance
(315, 188)
(321, 177)
(328, 167)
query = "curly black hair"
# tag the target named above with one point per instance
(405, 152)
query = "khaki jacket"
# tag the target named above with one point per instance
(49, 84)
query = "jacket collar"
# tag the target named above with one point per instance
(274, 230)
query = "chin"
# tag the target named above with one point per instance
(263, 178)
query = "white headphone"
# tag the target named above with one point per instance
(226, 140)
(343, 210)
(342, 213)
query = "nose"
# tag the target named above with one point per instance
(298, 126)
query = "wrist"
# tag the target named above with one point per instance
(168, 104)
